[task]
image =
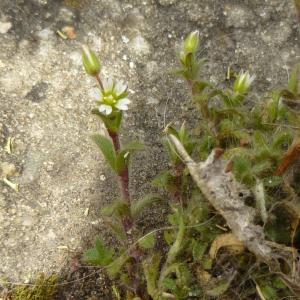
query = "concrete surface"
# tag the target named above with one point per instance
(45, 103)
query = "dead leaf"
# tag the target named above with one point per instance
(203, 276)
(290, 157)
(12, 185)
(70, 32)
(227, 240)
(8, 146)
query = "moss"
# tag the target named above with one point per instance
(44, 288)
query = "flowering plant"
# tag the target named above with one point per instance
(259, 144)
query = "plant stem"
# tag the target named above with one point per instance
(178, 181)
(115, 139)
(127, 221)
(124, 177)
(99, 81)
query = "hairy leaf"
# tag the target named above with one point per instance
(100, 255)
(219, 290)
(107, 149)
(143, 203)
(151, 271)
(115, 266)
(148, 241)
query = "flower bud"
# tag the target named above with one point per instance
(90, 61)
(243, 82)
(192, 42)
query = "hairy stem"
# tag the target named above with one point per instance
(179, 182)
(100, 82)
(124, 177)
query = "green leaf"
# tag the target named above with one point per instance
(116, 227)
(268, 292)
(274, 107)
(151, 271)
(138, 206)
(208, 142)
(200, 86)
(169, 284)
(273, 181)
(169, 237)
(261, 168)
(114, 267)
(100, 255)
(117, 208)
(243, 171)
(198, 250)
(207, 263)
(122, 161)
(148, 241)
(219, 290)
(164, 180)
(278, 283)
(184, 137)
(133, 146)
(294, 80)
(177, 245)
(112, 122)
(107, 149)
(282, 140)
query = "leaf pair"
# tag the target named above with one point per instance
(118, 161)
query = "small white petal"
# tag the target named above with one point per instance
(106, 109)
(125, 101)
(123, 104)
(120, 88)
(95, 94)
(108, 84)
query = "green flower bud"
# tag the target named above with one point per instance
(243, 82)
(90, 61)
(192, 42)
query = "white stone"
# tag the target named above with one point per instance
(125, 39)
(44, 34)
(140, 45)
(4, 27)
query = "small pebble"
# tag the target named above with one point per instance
(4, 27)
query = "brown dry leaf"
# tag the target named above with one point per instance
(290, 157)
(227, 240)
(70, 32)
(203, 276)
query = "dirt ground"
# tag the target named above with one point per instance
(45, 105)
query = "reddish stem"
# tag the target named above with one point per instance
(100, 82)
(124, 177)
(115, 139)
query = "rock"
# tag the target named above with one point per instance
(4, 27)
(8, 169)
(140, 46)
(277, 34)
(237, 16)
(66, 15)
(44, 34)
(167, 2)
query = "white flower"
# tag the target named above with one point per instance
(120, 88)
(108, 84)
(123, 104)
(95, 94)
(106, 109)
(243, 82)
(113, 97)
